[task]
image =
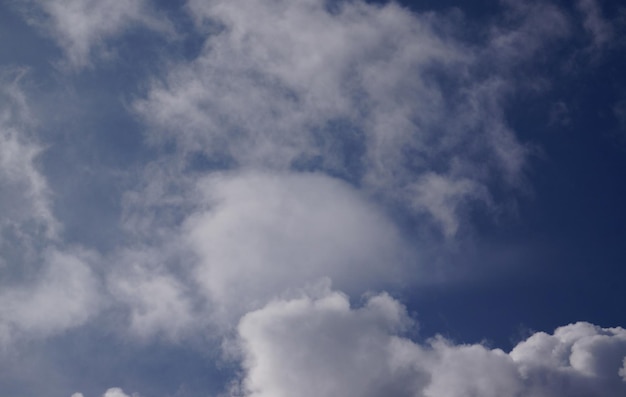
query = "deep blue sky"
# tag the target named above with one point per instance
(572, 225)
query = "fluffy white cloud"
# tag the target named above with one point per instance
(83, 27)
(320, 346)
(115, 392)
(112, 392)
(261, 234)
(243, 238)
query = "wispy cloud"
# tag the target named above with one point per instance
(599, 28)
(64, 295)
(372, 93)
(84, 28)
(25, 193)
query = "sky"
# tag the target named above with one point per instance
(273, 198)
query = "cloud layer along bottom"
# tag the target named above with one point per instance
(318, 345)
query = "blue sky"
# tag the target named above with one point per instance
(330, 198)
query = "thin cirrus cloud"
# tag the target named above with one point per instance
(277, 159)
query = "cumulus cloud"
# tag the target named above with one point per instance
(262, 234)
(371, 92)
(241, 238)
(321, 346)
(83, 28)
(112, 392)
(115, 392)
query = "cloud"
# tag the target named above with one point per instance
(264, 233)
(115, 392)
(600, 29)
(281, 147)
(112, 392)
(440, 196)
(84, 28)
(25, 195)
(65, 294)
(27, 221)
(225, 243)
(321, 346)
(374, 93)
(47, 286)
(158, 303)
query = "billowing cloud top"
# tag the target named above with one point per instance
(312, 346)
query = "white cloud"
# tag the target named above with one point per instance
(262, 234)
(82, 28)
(320, 346)
(115, 392)
(440, 196)
(372, 92)
(578, 359)
(46, 287)
(24, 192)
(158, 302)
(65, 294)
(27, 221)
(112, 392)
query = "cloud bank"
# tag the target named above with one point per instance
(320, 345)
